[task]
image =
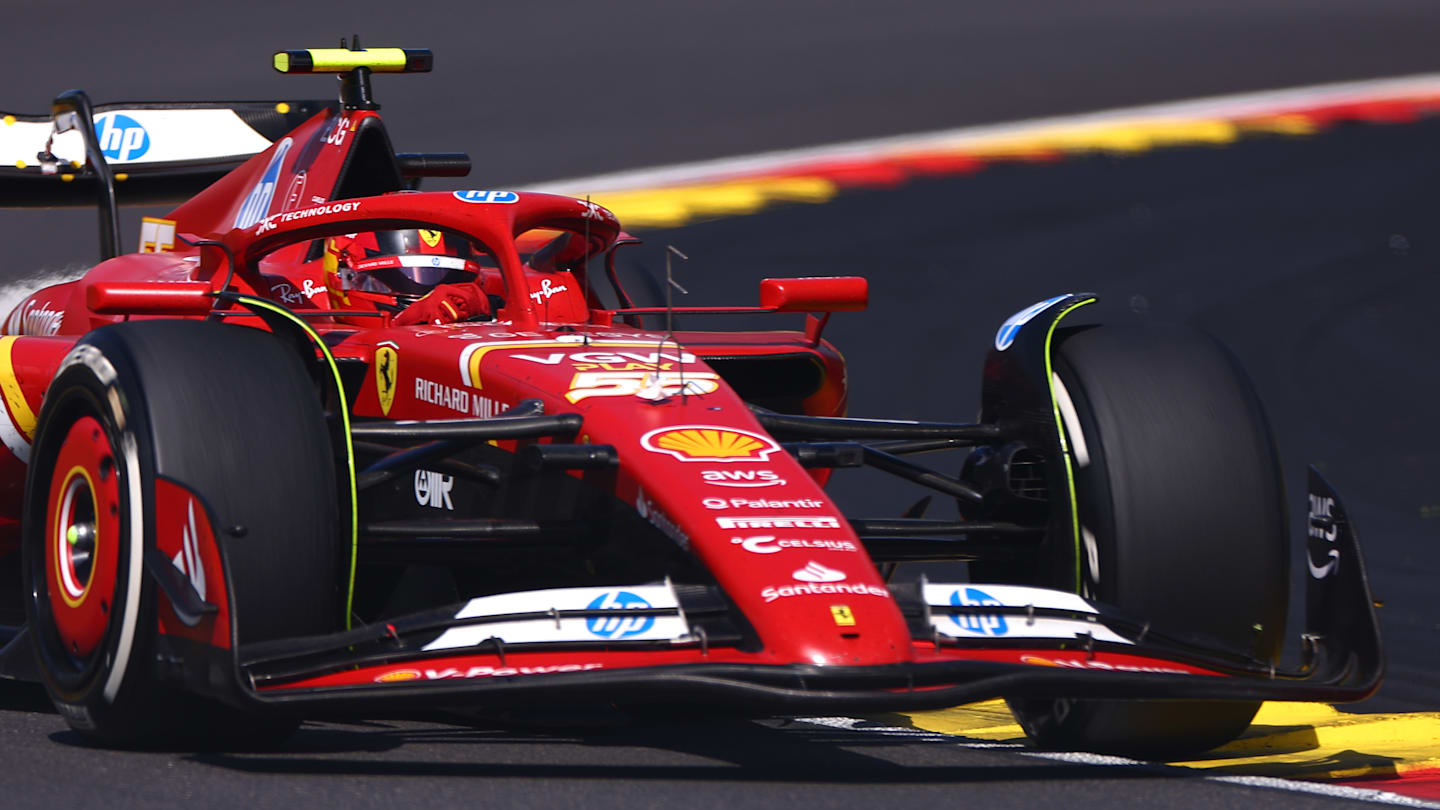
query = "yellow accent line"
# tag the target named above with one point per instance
(344, 411)
(1291, 740)
(1060, 429)
(14, 397)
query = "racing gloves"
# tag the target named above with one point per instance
(447, 303)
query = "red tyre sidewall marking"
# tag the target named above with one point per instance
(85, 461)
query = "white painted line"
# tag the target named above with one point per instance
(1082, 758)
(1239, 105)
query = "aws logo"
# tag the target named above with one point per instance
(121, 137)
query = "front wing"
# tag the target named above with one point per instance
(677, 647)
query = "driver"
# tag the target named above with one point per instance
(428, 276)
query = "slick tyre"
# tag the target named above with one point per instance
(228, 413)
(1183, 522)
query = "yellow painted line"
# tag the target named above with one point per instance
(672, 206)
(1295, 125)
(1124, 138)
(1316, 741)
(990, 721)
(677, 205)
(1290, 740)
(14, 397)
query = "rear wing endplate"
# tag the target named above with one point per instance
(132, 153)
(167, 151)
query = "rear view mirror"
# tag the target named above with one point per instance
(825, 294)
(149, 298)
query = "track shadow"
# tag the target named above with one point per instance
(728, 750)
(21, 696)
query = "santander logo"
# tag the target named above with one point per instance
(817, 580)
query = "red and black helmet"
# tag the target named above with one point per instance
(396, 268)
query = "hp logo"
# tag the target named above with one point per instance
(618, 626)
(472, 196)
(985, 625)
(121, 137)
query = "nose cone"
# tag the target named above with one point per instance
(835, 612)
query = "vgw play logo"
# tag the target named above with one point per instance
(121, 137)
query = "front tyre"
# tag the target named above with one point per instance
(133, 403)
(1183, 522)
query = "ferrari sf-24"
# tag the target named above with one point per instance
(328, 444)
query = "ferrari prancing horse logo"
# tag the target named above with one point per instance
(387, 361)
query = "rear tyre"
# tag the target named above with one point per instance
(231, 415)
(1183, 518)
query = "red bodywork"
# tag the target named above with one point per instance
(695, 463)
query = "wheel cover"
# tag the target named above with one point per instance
(82, 538)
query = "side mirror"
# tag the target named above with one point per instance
(826, 294)
(149, 298)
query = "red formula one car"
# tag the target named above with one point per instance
(329, 444)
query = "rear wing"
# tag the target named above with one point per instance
(158, 152)
(168, 152)
(82, 154)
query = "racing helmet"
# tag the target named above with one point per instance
(389, 270)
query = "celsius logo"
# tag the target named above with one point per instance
(768, 544)
(985, 625)
(472, 196)
(618, 626)
(121, 137)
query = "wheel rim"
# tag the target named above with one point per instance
(82, 537)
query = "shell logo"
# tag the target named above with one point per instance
(709, 443)
(398, 675)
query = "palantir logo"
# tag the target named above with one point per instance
(984, 624)
(618, 626)
(121, 137)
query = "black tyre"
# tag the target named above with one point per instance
(230, 414)
(1183, 518)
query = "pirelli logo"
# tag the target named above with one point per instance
(778, 522)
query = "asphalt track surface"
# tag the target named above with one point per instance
(1313, 258)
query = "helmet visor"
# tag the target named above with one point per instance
(412, 275)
